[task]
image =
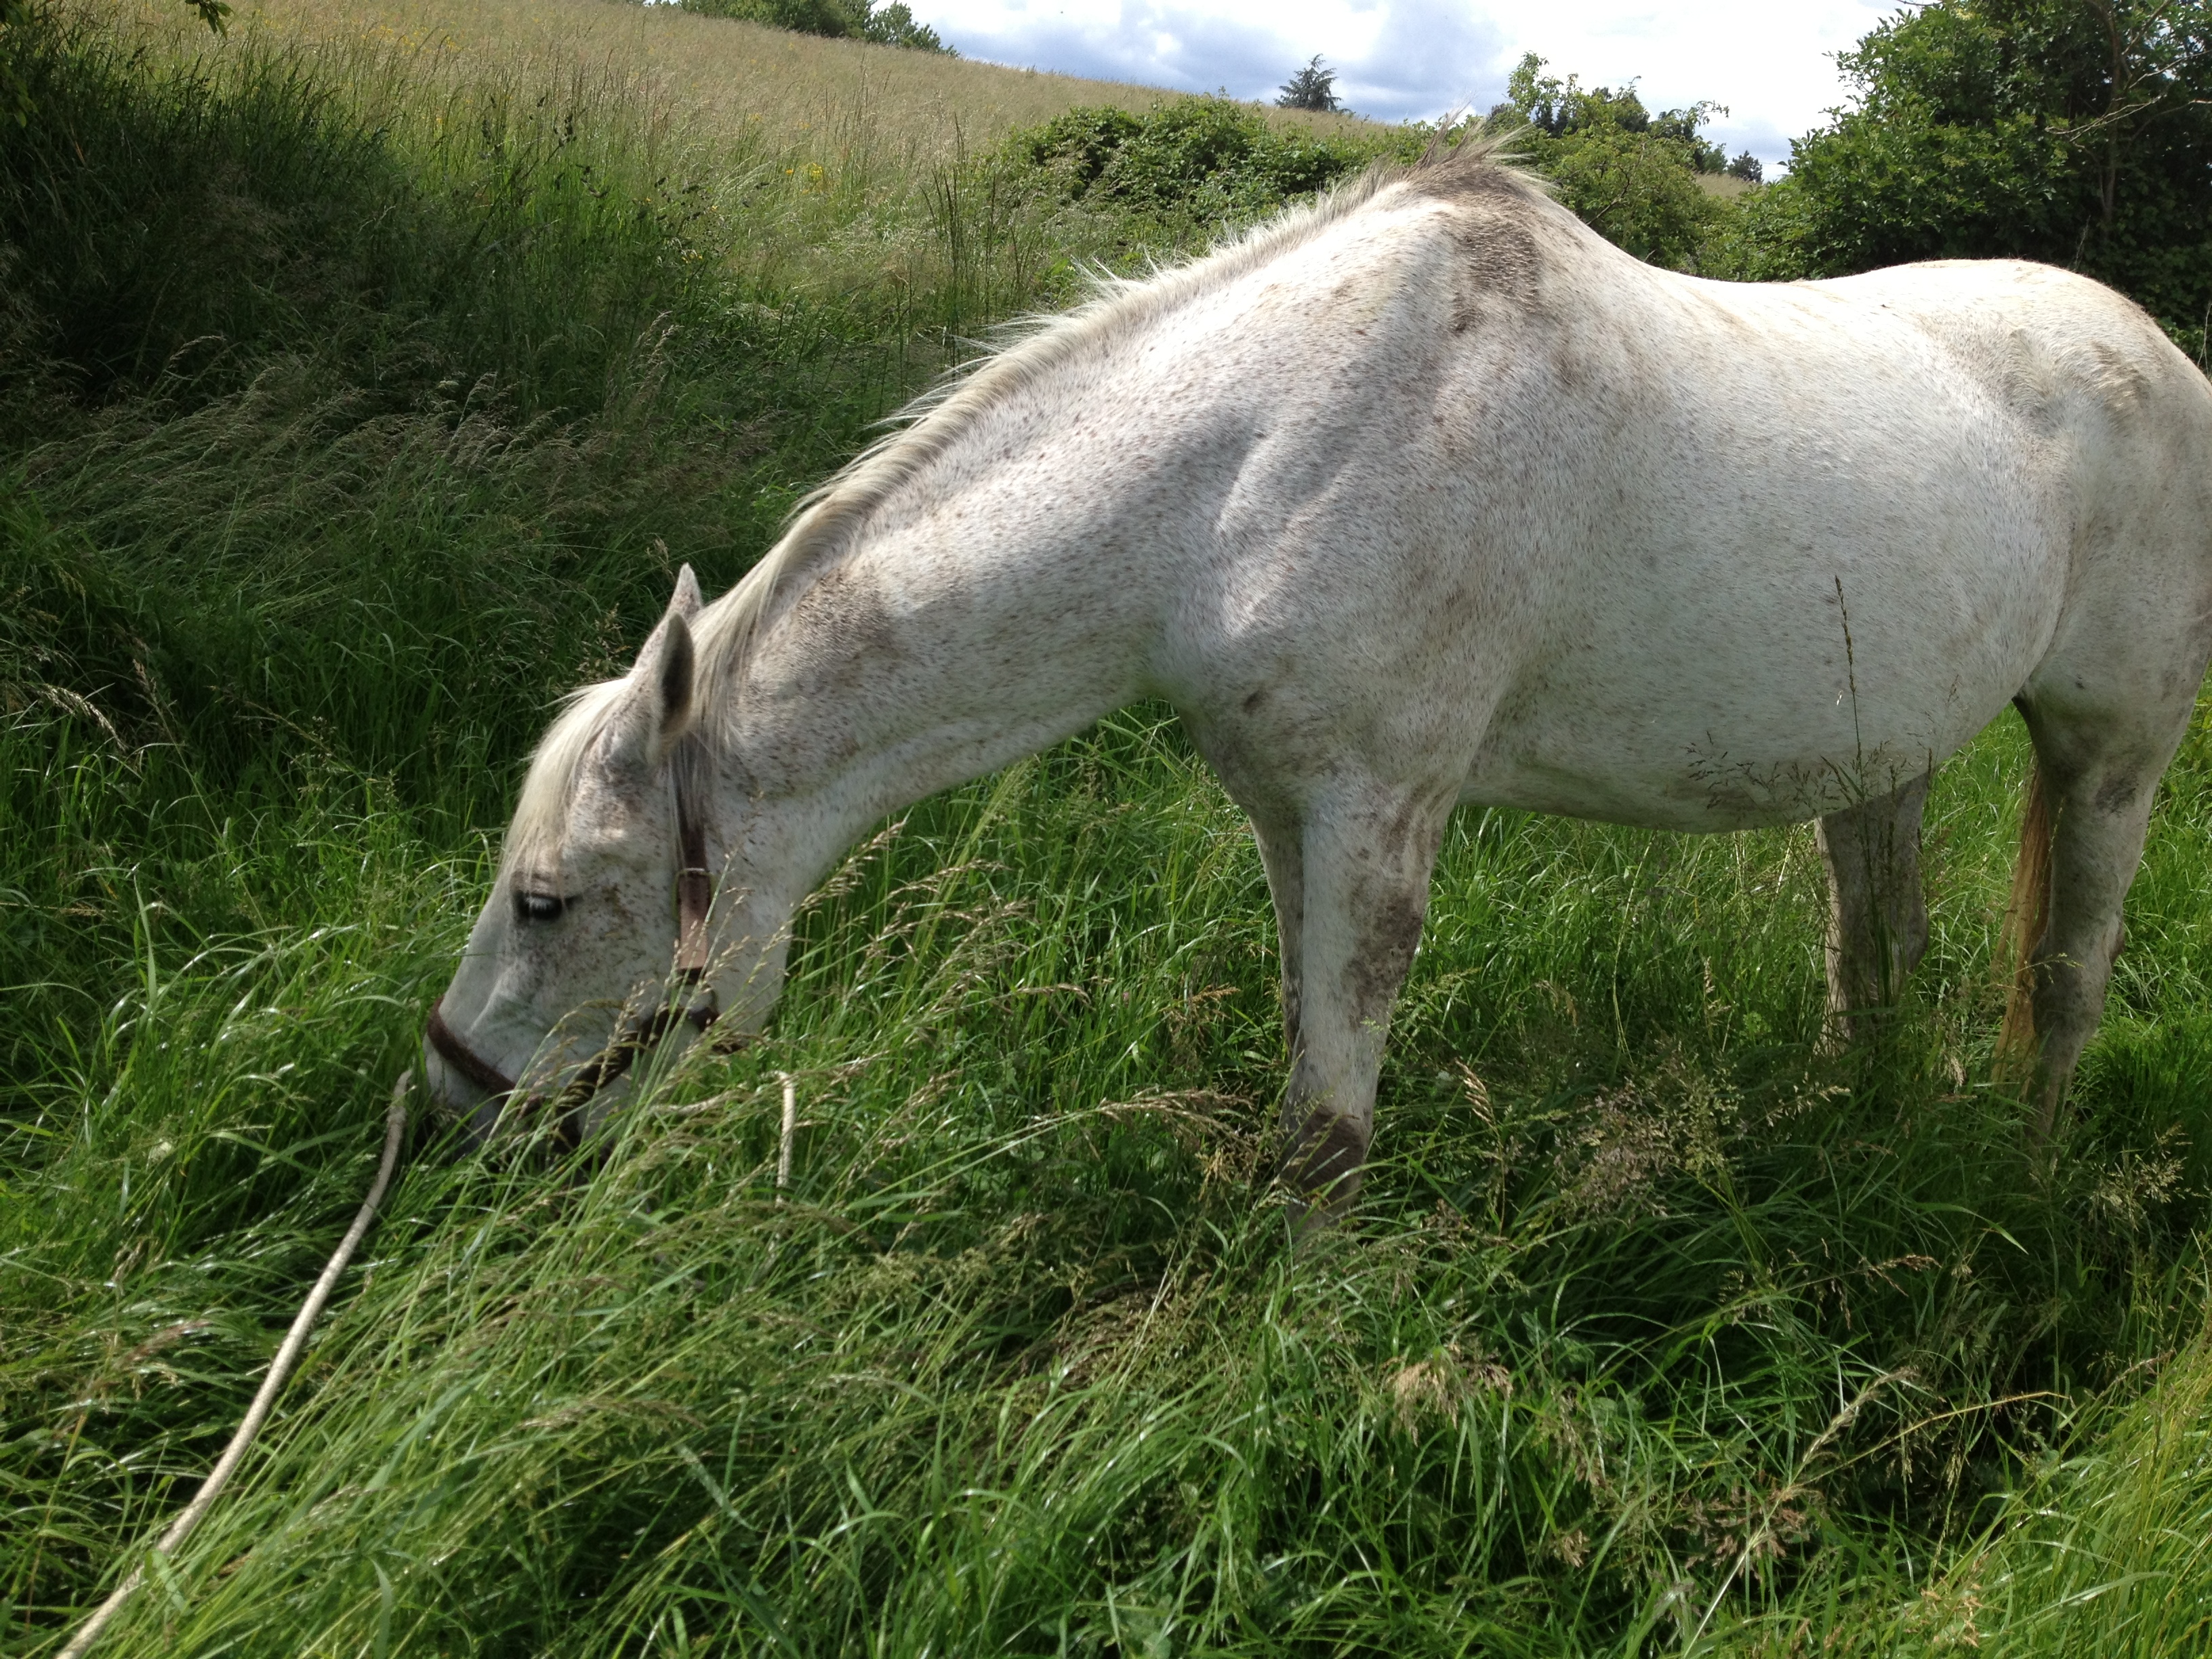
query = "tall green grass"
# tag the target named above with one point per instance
(1658, 1330)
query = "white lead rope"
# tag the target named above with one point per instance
(395, 1124)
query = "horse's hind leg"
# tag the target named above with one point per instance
(2100, 778)
(1366, 852)
(1877, 914)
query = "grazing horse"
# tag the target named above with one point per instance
(1422, 495)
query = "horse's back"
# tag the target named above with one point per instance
(1635, 546)
(1886, 505)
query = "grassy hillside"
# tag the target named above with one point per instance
(360, 394)
(732, 83)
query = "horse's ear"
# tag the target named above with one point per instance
(687, 602)
(673, 672)
(656, 705)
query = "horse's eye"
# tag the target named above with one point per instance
(540, 907)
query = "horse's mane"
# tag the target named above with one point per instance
(540, 815)
(827, 522)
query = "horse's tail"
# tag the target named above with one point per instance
(2027, 916)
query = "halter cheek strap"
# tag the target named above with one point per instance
(694, 903)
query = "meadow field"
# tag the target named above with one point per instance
(364, 377)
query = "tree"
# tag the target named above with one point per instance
(1633, 176)
(894, 25)
(2074, 132)
(1748, 168)
(1311, 88)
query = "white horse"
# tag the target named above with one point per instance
(1421, 496)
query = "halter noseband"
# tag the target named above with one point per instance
(695, 900)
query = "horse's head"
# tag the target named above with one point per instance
(564, 976)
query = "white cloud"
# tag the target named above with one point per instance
(1771, 65)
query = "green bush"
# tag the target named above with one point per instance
(1630, 175)
(1206, 158)
(1197, 162)
(2048, 130)
(885, 25)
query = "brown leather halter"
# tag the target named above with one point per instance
(695, 900)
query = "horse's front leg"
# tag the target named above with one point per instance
(1366, 849)
(1877, 914)
(1282, 852)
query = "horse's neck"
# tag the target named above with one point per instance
(916, 661)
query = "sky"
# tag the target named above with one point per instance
(1771, 62)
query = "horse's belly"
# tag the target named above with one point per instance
(1776, 720)
(1791, 640)
(1703, 784)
